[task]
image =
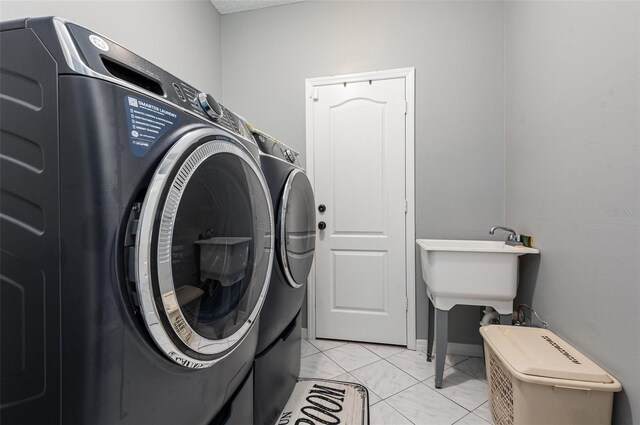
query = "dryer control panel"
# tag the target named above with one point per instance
(272, 146)
(107, 58)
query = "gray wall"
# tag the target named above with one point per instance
(457, 50)
(573, 175)
(182, 37)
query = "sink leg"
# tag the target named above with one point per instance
(431, 331)
(442, 330)
(506, 319)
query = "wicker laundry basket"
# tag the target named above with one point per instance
(535, 377)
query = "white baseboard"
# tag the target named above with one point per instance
(305, 333)
(469, 350)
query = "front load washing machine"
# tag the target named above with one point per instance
(277, 363)
(136, 236)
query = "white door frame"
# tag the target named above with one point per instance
(409, 75)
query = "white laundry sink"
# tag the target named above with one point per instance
(481, 273)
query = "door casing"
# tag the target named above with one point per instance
(311, 84)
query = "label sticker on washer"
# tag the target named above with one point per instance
(146, 122)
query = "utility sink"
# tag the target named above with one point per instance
(471, 272)
(481, 273)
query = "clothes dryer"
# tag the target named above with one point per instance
(277, 363)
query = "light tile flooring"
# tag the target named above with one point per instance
(401, 382)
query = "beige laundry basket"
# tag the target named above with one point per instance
(535, 377)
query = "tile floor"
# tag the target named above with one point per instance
(400, 382)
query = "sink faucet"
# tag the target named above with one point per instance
(513, 238)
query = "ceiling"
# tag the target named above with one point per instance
(231, 6)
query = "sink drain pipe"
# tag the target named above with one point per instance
(491, 317)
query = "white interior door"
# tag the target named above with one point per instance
(359, 162)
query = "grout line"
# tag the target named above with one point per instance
(467, 373)
(368, 349)
(410, 386)
(446, 366)
(354, 343)
(461, 361)
(465, 416)
(458, 421)
(397, 411)
(384, 345)
(339, 367)
(448, 398)
(367, 387)
(349, 371)
(328, 358)
(434, 390)
(453, 401)
(322, 351)
(481, 417)
(397, 392)
(307, 355)
(377, 361)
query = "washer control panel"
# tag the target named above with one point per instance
(210, 106)
(108, 58)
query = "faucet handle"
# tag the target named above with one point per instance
(514, 240)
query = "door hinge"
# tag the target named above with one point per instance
(406, 206)
(314, 93)
(406, 107)
(406, 304)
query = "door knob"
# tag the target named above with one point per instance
(322, 208)
(322, 225)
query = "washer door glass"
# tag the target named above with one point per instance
(297, 228)
(216, 243)
(209, 227)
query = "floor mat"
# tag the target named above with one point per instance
(321, 401)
